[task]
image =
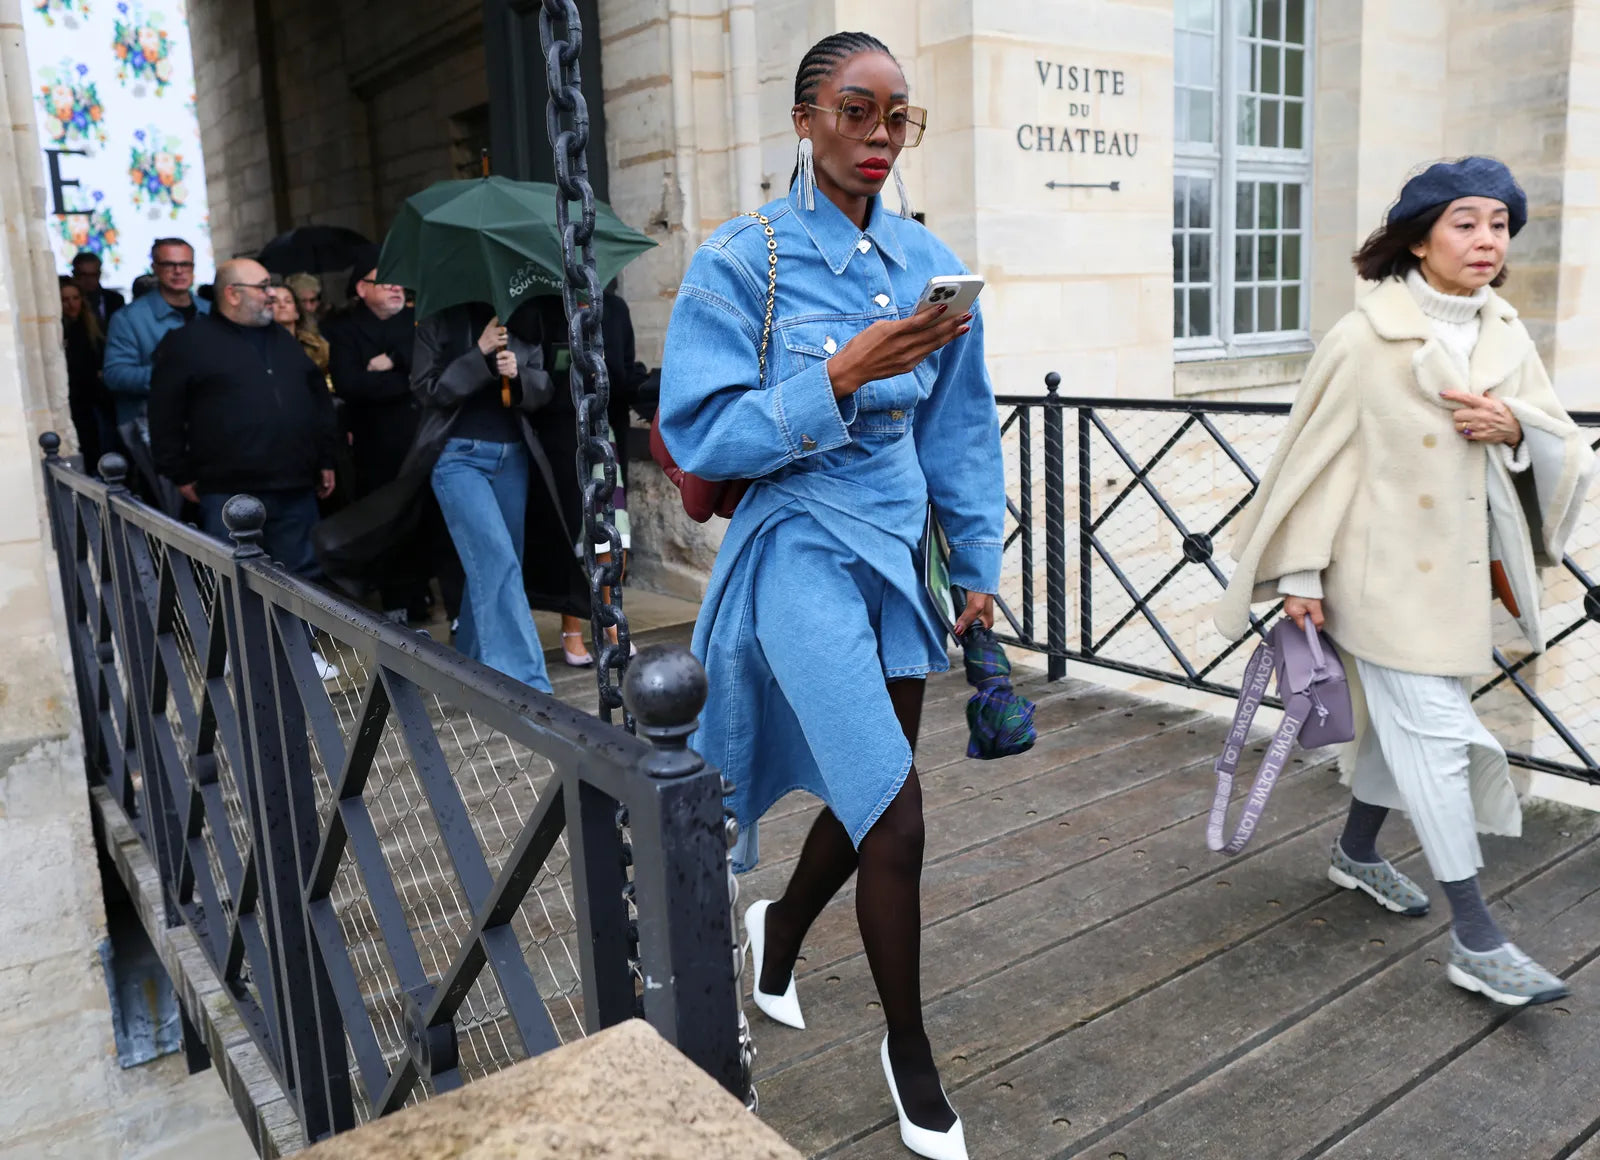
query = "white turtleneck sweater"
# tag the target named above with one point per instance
(1456, 319)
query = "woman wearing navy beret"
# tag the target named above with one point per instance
(1427, 470)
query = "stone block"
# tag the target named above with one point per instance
(623, 1093)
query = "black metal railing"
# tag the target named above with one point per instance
(1149, 488)
(406, 869)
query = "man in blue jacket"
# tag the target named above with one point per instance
(137, 328)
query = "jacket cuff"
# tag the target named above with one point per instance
(975, 565)
(1306, 585)
(810, 418)
(1516, 458)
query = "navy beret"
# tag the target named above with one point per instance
(1445, 181)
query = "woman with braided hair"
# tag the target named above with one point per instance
(809, 373)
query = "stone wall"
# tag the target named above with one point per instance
(65, 1096)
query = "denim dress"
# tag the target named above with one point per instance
(816, 598)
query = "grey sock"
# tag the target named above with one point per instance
(1360, 838)
(1475, 929)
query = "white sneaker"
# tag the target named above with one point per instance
(325, 668)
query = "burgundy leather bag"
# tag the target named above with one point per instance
(704, 498)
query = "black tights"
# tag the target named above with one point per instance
(888, 910)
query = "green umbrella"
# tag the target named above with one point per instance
(492, 240)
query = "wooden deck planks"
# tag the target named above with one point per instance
(1098, 984)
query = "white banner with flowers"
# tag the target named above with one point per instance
(113, 91)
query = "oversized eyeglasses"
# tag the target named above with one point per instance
(857, 118)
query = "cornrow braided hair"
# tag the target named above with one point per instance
(826, 56)
(824, 60)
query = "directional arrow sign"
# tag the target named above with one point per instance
(1113, 186)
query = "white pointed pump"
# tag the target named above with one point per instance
(784, 1008)
(950, 1144)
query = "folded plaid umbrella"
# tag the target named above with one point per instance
(999, 720)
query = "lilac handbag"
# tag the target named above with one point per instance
(1316, 712)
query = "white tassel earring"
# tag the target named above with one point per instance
(808, 175)
(905, 196)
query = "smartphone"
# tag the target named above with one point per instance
(957, 291)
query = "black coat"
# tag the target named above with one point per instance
(379, 409)
(447, 369)
(237, 410)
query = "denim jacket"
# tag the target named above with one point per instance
(131, 340)
(864, 469)
(834, 281)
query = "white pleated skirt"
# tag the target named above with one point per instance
(1424, 751)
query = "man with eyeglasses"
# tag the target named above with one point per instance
(237, 407)
(369, 361)
(138, 328)
(86, 273)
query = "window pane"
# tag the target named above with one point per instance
(1180, 112)
(1200, 117)
(1246, 198)
(1199, 312)
(1291, 308)
(1199, 257)
(1179, 186)
(1294, 72)
(1269, 124)
(1266, 310)
(1293, 125)
(1245, 16)
(1178, 329)
(1271, 19)
(1291, 207)
(1247, 121)
(1197, 14)
(1271, 71)
(1267, 203)
(1244, 321)
(1195, 66)
(1267, 258)
(1244, 249)
(1291, 257)
(1177, 258)
(1296, 32)
(1199, 203)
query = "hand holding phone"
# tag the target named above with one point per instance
(957, 292)
(896, 346)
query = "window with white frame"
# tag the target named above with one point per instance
(1241, 193)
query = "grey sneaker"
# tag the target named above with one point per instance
(1505, 975)
(1388, 887)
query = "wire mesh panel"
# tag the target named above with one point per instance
(1148, 496)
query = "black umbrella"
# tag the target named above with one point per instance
(312, 250)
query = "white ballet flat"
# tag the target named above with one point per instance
(784, 1008)
(946, 1145)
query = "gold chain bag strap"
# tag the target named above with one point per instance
(704, 498)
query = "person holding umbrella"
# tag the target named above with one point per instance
(466, 364)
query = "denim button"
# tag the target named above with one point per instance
(807, 443)
(863, 245)
(829, 345)
(882, 300)
(897, 415)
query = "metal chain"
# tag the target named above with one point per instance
(567, 122)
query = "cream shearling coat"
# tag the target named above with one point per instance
(1372, 486)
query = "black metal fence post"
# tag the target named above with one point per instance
(681, 871)
(1085, 534)
(271, 778)
(1055, 530)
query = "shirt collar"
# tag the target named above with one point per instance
(836, 237)
(165, 309)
